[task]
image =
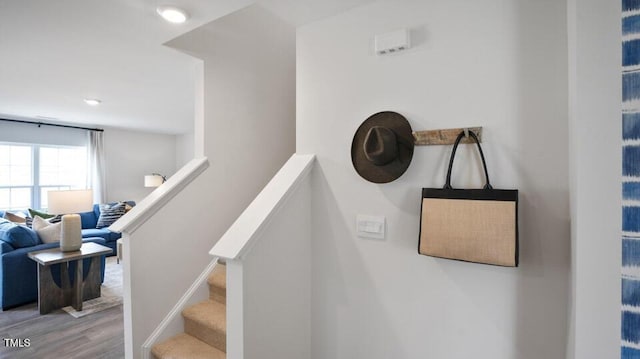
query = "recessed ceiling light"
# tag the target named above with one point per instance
(172, 14)
(92, 101)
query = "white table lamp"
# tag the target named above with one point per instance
(70, 203)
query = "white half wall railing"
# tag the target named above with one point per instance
(150, 205)
(159, 265)
(268, 256)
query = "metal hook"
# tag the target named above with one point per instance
(466, 132)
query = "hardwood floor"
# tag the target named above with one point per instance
(58, 335)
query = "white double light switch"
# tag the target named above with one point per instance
(370, 226)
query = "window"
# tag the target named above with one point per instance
(16, 176)
(28, 172)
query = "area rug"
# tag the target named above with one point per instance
(111, 292)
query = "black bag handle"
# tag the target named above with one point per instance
(447, 185)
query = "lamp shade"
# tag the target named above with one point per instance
(153, 180)
(71, 201)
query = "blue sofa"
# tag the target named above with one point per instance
(90, 221)
(89, 230)
(19, 273)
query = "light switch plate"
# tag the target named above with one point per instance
(370, 226)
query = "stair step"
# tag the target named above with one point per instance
(218, 284)
(207, 321)
(184, 346)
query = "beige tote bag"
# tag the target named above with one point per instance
(473, 225)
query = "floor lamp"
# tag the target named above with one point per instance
(154, 180)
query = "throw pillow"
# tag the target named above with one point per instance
(14, 217)
(33, 213)
(54, 219)
(48, 232)
(16, 235)
(109, 214)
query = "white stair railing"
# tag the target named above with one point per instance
(267, 251)
(151, 204)
(162, 253)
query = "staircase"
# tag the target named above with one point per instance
(205, 327)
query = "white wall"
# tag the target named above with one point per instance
(500, 64)
(129, 155)
(185, 148)
(595, 128)
(249, 105)
(249, 118)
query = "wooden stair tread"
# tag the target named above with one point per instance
(183, 346)
(217, 281)
(208, 313)
(207, 321)
(205, 325)
(218, 277)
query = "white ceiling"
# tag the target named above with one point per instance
(53, 54)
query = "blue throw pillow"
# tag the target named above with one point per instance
(16, 235)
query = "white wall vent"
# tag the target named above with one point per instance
(392, 42)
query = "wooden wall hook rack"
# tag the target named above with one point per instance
(444, 137)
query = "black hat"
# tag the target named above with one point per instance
(382, 147)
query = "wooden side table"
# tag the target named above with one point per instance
(50, 295)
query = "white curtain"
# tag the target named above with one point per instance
(96, 179)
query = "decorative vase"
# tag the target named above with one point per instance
(71, 233)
